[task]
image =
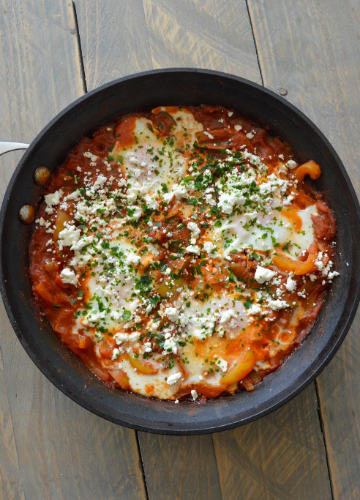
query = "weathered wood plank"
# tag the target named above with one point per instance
(10, 476)
(64, 452)
(180, 467)
(276, 458)
(312, 50)
(114, 39)
(215, 35)
(209, 34)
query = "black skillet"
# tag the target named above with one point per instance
(143, 92)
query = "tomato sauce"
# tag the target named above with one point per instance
(59, 301)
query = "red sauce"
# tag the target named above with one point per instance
(58, 301)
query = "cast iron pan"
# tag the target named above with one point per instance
(143, 92)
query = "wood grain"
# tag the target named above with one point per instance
(279, 457)
(10, 476)
(114, 40)
(283, 455)
(312, 49)
(180, 467)
(209, 34)
(50, 447)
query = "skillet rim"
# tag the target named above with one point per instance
(308, 374)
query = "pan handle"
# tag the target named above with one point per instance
(6, 146)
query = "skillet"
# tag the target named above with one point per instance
(142, 92)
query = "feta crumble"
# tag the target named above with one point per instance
(263, 274)
(174, 378)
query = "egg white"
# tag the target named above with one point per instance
(233, 236)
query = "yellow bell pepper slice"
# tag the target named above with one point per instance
(298, 267)
(242, 367)
(166, 287)
(309, 168)
(141, 367)
(61, 218)
(121, 378)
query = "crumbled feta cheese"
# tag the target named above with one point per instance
(92, 157)
(52, 199)
(73, 196)
(40, 221)
(254, 309)
(287, 201)
(223, 365)
(115, 354)
(194, 394)
(228, 201)
(68, 276)
(81, 243)
(291, 164)
(227, 315)
(174, 378)
(208, 135)
(151, 202)
(134, 160)
(170, 346)
(147, 347)
(237, 128)
(172, 313)
(69, 236)
(152, 326)
(193, 249)
(210, 199)
(290, 284)
(194, 228)
(167, 197)
(132, 258)
(195, 231)
(134, 212)
(319, 263)
(126, 337)
(208, 246)
(277, 304)
(100, 181)
(263, 274)
(137, 172)
(179, 191)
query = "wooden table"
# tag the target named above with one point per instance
(52, 51)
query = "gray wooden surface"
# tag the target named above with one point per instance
(52, 52)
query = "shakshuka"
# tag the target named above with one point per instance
(182, 252)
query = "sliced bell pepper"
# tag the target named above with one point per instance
(141, 366)
(309, 168)
(298, 267)
(121, 378)
(242, 367)
(61, 218)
